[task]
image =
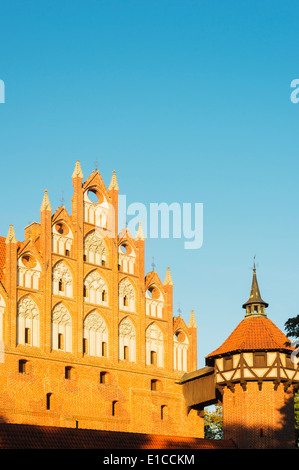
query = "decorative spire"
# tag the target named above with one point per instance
(77, 171)
(11, 238)
(113, 184)
(46, 202)
(168, 279)
(139, 234)
(255, 305)
(192, 322)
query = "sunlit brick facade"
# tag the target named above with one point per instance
(89, 339)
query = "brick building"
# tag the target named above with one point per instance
(89, 340)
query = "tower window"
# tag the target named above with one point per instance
(61, 286)
(260, 359)
(228, 363)
(85, 346)
(126, 302)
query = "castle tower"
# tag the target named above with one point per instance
(256, 376)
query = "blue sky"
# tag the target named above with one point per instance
(189, 101)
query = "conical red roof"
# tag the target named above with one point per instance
(254, 333)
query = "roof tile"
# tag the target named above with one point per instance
(25, 436)
(254, 333)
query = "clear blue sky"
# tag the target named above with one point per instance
(189, 101)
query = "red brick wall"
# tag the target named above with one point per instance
(82, 398)
(259, 419)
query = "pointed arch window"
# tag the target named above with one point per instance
(180, 350)
(95, 250)
(126, 295)
(95, 289)
(95, 335)
(61, 328)
(96, 208)
(62, 239)
(126, 258)
(127, 340)
(154, 301)
(62, 280)
(28, 320)
(29, 271)
(154, 345)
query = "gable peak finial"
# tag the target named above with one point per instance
(77, 171)
(46, 206)
(113, 183)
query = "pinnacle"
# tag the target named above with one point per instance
(46, 206)
(11, 238)
(192, 322)
(139, 234)
(168, 278)
(77, 172)
(113, 184)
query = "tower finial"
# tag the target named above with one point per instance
(255, 305)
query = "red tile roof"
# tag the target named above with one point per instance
(25, 436)
(254, 333)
